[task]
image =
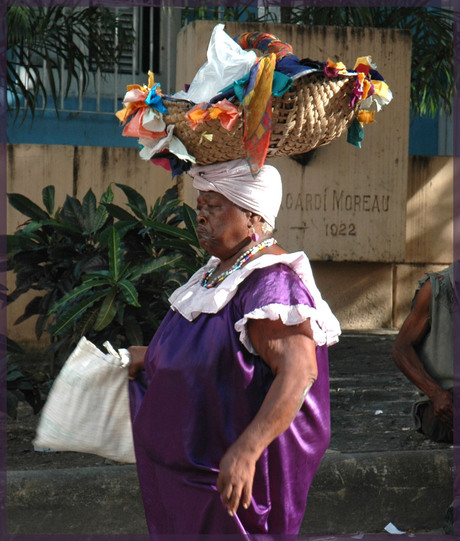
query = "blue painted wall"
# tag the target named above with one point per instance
(90, 128)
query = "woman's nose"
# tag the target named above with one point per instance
(200, 218)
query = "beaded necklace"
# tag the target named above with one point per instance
(237, 265)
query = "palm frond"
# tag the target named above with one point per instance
(42, 40)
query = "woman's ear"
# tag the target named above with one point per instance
(255, 218)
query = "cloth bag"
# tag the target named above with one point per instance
(87, 409)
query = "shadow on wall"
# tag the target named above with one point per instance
(429, 230)
(359, 294)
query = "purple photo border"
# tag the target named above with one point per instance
(455, 4)
(2, 271)
(456, 251)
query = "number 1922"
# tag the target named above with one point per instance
(340, 230)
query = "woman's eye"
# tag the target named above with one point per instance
(207, 208)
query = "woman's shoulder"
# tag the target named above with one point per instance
(277, 270)
(281, 264)
(277, 282)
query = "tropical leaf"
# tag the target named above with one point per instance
(107, 311)
(124, 271)
(119, 213)
(98, 274)
(76, 292)
(155, 265)
(169, 230)
(32, 309)
(136, 201)
(94, 264)
(12, 346)
(38, 254)
(60, 226)
(86, 323)
(123, 227)
(115, 253)
(40, 325)
(165, 210)
(72, 212)
(129, 292)
(88, 208)
(48, 198)
(100, 218)
(16, 242)
(82, 39)
(189, 216)
(67, 319)
(24, 205)
(113, 285)
(107, 197)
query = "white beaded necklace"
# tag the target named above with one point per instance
(237, 265)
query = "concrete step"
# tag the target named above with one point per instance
(351, 494)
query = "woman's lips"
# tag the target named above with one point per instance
(201, 232)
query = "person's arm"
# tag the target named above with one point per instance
(136, 364)
(411, 334)
(290, 353)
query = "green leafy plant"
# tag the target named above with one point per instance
(101, 271)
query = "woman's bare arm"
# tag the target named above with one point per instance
(290, 353)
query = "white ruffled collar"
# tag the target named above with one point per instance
(192, 299)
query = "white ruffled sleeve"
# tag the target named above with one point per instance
(192, 299)
(290, 315)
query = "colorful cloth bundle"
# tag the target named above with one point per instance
(283, 106)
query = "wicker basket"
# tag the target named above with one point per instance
(312, 113)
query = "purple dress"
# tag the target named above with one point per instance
(204, 388)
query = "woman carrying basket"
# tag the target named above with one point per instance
(235, 419)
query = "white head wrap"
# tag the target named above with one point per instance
(260, 194)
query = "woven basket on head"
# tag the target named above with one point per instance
(312, 113)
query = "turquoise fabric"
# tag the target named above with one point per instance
(281, 84)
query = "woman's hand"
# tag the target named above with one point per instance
(236, 477)
(136, 364)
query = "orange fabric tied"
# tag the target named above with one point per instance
(135, 98)
(224, 110)
(366, 117)
(258, 112)
(134, 128)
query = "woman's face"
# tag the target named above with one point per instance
(222, 226)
